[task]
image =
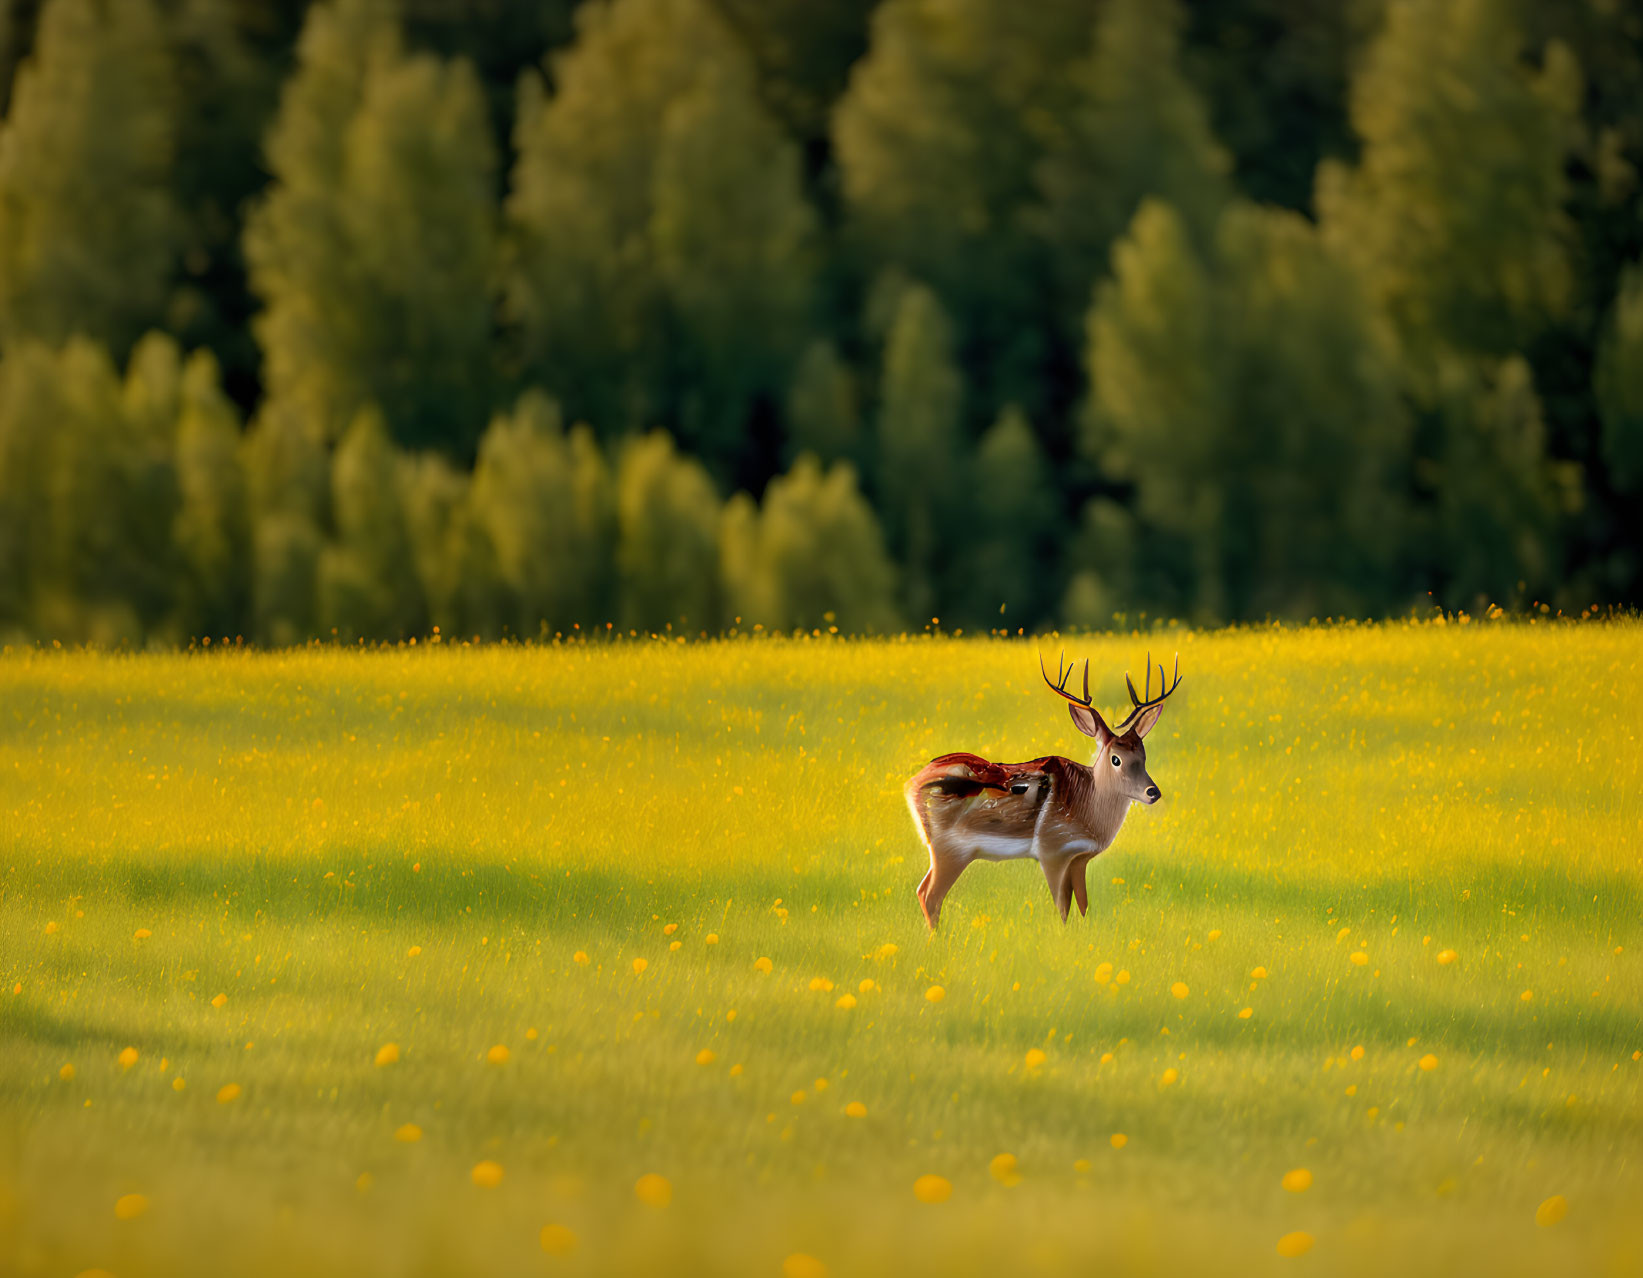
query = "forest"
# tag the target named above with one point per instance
(367, 321)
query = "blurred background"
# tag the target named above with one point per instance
(356, 318)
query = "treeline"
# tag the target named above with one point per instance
(150, 514)
(1047, 312)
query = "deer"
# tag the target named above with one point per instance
(1053, 810)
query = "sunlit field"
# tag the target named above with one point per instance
(597, 960)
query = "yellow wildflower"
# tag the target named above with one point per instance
(653, 1190)
(932, 1189)
(130, 1206)
(1295, 1244)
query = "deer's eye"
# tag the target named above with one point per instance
(1115, 762)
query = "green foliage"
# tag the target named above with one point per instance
(920, 446)
(543, 503)
(87, 490)
(500, 38)
(1256, 410)
(29, 404)
(88, 227)
(1497, 494)
(811, 556)
(1455, 215)
(867, 231)
(731, 234)
(1620, 385)
(147, 490)
(1276, 74)
(802, 53)
(368, 588)
(455, 561)
(286, 550)
(289, 483)
(660, 264)
(212, 529)
(823, 410)
(1135, 128)
(373, 252)
(939, 139)
(1012, 508)
(1106, 561)
(667, 552)
(225, 95)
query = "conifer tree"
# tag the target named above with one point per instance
(593, 496)
(88, 228)
(30, 404)
(1104, 566)
(1455, 214)
(920, 446)
(368, 586)
(455, 559)
(823, 414)
(374, 248)
(939, 137)
(80, 541)
(732, 235)
(811, 557)
(746, 586)
(660, 269)
(1253, 403)
(152, 390)
(1136, 128)
(667, 554)
(434, 496)
(100, 555)
(1619, 384)
(483, 606)
(802, 53)
(1012, 506)
(544, 502)
(150, 406)
(522, 496)
(226, 91)
(289, 485)
(1497, 496)
(212, 530)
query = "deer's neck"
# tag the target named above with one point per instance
(1104, 809)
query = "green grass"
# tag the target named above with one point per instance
(288, 826)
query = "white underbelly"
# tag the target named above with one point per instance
(1001, 847)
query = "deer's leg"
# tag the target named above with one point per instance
(944, 872)
(1059, 874)
(1081, 892)
(923, 890)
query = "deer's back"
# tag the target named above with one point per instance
(968, 806)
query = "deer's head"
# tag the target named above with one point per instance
(1121, 756)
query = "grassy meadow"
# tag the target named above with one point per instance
(605, 959)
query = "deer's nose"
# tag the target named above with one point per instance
(1152, 794)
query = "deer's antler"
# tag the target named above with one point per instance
(1059, 684)
(1146, 701)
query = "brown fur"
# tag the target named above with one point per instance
(1054, 811)
(1061, 813)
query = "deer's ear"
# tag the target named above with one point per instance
(1144, 721)
(1089, 722)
